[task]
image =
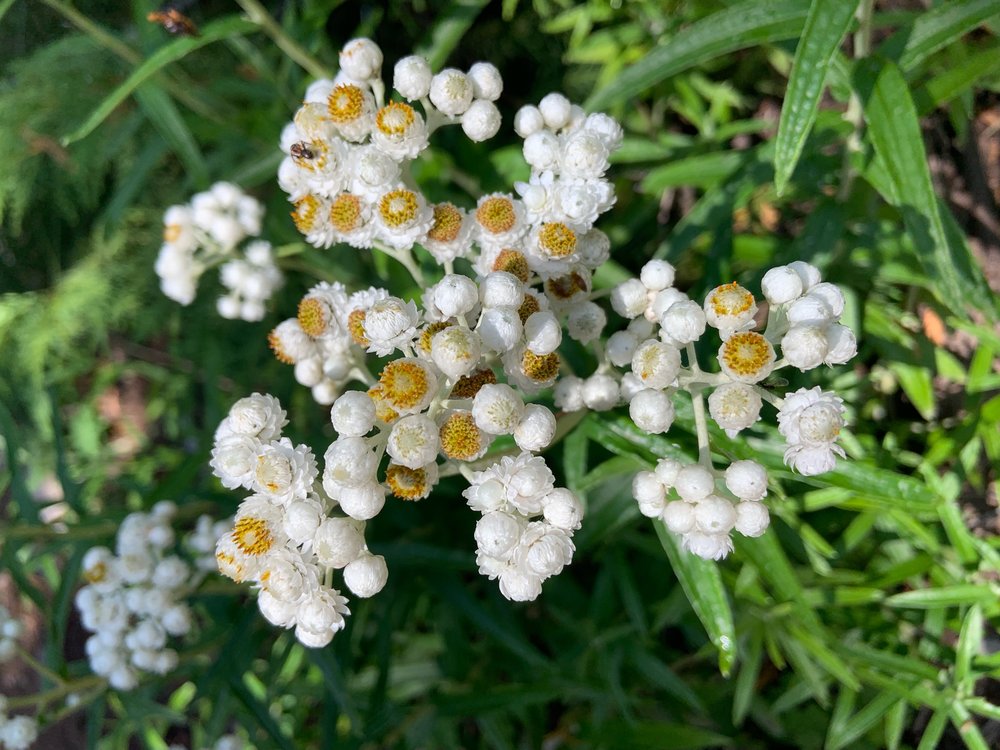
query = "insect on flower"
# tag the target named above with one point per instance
(174, 22)
(302, 151)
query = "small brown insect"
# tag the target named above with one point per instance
(174, 22)
(302, 151)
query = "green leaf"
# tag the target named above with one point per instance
(702, 170)
(161, 111)
(850, 730)
(167, 54)
(917, 384)
(746, 679)
(455, 21)
(945, 596)
(743, 25)
(969, 641)
(936, 28)
(826, 26)
(656, 735)
(953, 82)
(895, 133)
(702, 583)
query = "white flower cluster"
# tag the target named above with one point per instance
(348, 151)
(705, 515)
(207, 232)
(16, 732)
(525, 534)
(283, 537)
(134, 599)
(10, 631)
(657, 347)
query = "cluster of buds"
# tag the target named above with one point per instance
(134, 599)
(283, 538)
(16, 732)
(802, 323)
(207, 232)
(10, 631)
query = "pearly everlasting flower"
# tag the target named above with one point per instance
(678, 516)
(542, 333)
(366, 575)
(500, 328)
(361, 59)
(555, 110)
(734, 406)
(536, 428)
(730, 308)
(284, 471)
(652, 411)
(682, 323)
(528, 120)
(568, 394)
(811, 420)
(746, 357)
(600, 392)
(752, 519)
(402, 217)
(412, 77)
(413, 441)
(353, 414)
(656, 364)
(390, 324)
(747, 480)
(694, 482)
(486, 80)
(657, 275)
(481, 121)
(451, 92)
(497, 409)
(450, 234)
(804, 346)
(585, 321)
(400, 131)
(781, 285)
(456, 351)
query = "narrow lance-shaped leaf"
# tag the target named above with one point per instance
(743, 25)
(894, 131)
(826, 26)
(168, 53)
(702, 583)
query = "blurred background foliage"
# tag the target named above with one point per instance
(865, 618)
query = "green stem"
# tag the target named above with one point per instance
(855, 113)
(28, 658)
(698, 405)
(259, 15)
(84, 684)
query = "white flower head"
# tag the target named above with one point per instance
(752, 519)
(450, 234)
(652, 411)
(747, 357)
(730, 308)
(348, 462)
(487, 83)
(402, 217)
(562, 509)
(412, 77)
(361, 59)
(536, 429)
(451, 92)
(283, 471)
(456, 351)
(353, 414)
(656, 364)
(805, 346)
(781, 285)
(366, 575)
(481, 121)
(400, 131)
(257, 415)
(747, 480)
(734, 406)
(497, 409)
(678, 516)
(694, 482)
(390, 324)
(601, 392)
(520, 483)
(682, 323)
(338, 541)
(413, 441)
(498, 533)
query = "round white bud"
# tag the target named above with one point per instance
(630, 386)
(456, 351)
(667, 470)
(808, 273)
(487, 82)
(804, 347)
(412, 77)
(663, 301)
(501, 289)
(455, 295)
(500, 328)
(366, 575)
(652, 411)
(481, 121)
(747, 480)
(338, 541)
(734, 406)
(536, 429)
(451, 92)
(752, 519)
(601, 392)
(714, 515)
(650, 493)
(497, 533)
(694, 482)
(568, 393)
(585, 321)
(528, 120)
(556, 110)
(325, 392)
(682, 323)
(678, 516)
(842, 343)
(620, 348)
(541, 150)
(497, 409)
(781, 285)
(542, 333)
(629, 299)
(657, 275)
(361, 59)
(562, 509)
(362, 502)
(414, 441)
(831, 295)
(353, 414)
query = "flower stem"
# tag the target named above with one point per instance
(698, 404)
(259, 15)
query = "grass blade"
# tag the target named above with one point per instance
(743, 25)
(702, 583)
(936, 28)
(826, 26)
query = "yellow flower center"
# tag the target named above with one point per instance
(383, 411)
(96, 573)
(407, 484)
(404, 384)
(513, 262)
(279, 351)
(540, 368)
(529, 307)
(314, 316)
(346, 103)
(746, 354)
(252, 536)
(557, 240)
(730, 300)
(172, 232)
(305, 213)
(345, 213)
(496, 215)
(447, 223)
(356, 327)
(460, 438)
(398, 207)
(427, 335)
(395, 118)
(311, 155)
(566, 287)
(468, 385)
